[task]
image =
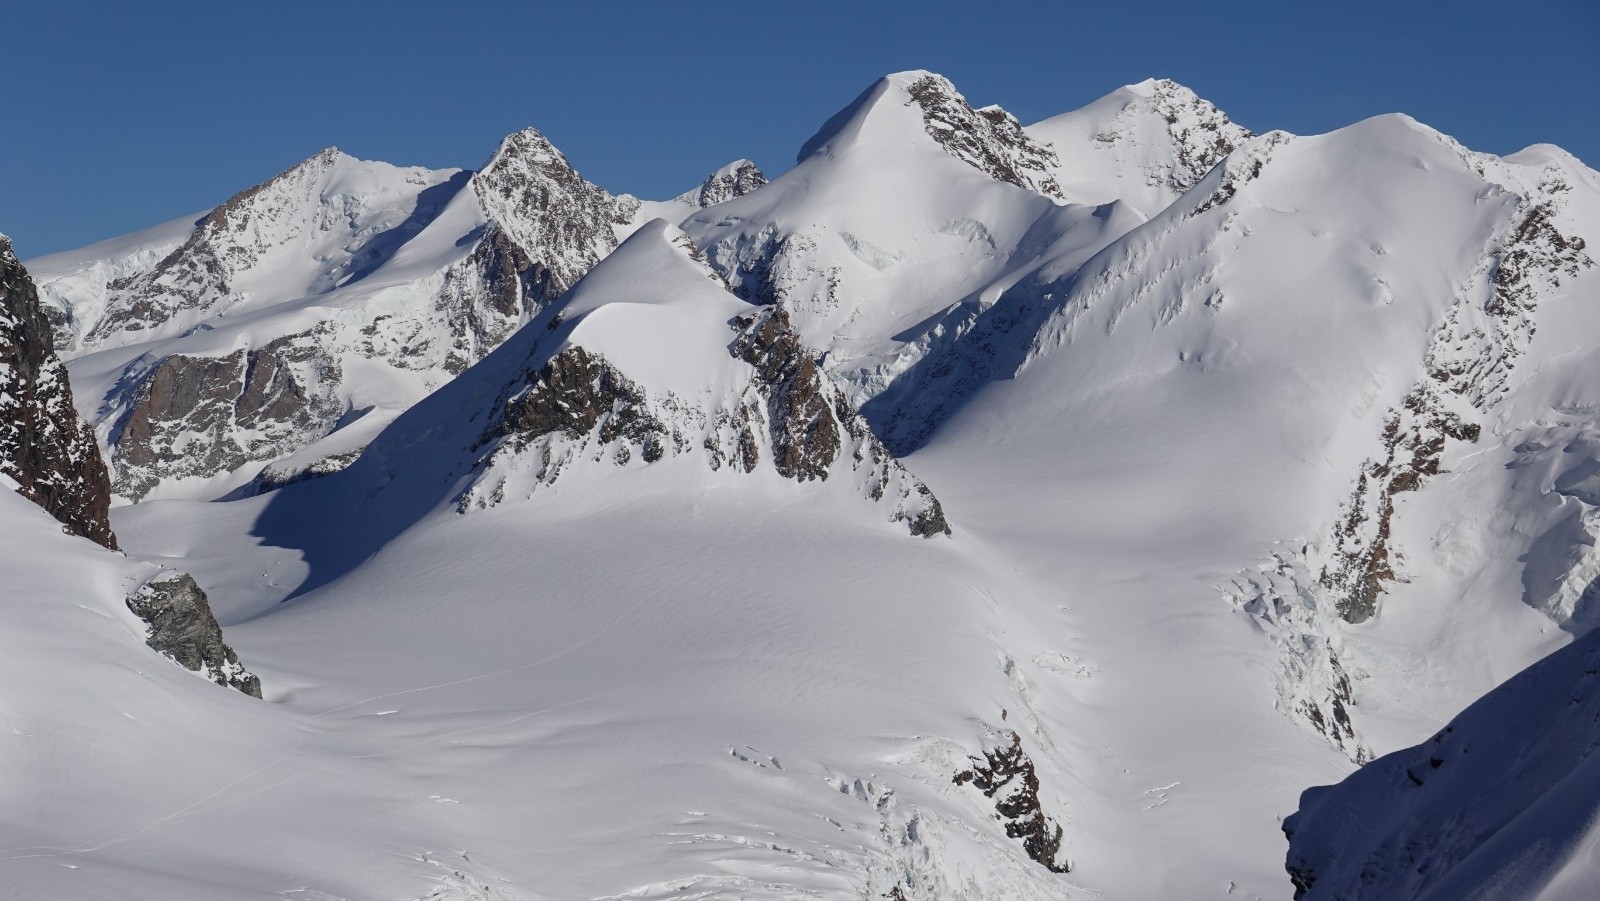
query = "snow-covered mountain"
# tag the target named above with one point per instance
(288, 325)
(974, 510)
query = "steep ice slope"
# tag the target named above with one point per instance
(1500, 803)
(1144, 144)
(908, 211)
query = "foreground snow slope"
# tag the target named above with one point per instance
(1500, 803)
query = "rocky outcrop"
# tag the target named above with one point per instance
(736, 179)
(489, 295)
(810, 421)
(283, 474)
(45, 449)
(577, 393)
(183, 628)
(196, 417)
(990, 140)
(1469, 363)
(1006, 774)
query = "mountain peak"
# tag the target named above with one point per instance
(913, 106)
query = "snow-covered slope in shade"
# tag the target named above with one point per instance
(908, 210)
(1501, 803)
(1144, 144)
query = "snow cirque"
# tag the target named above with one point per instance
(975, 509)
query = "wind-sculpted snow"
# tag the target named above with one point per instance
(46, 452)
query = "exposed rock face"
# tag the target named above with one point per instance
(183, 628)
(490, 295)
(1006, 774)
(1201, 134)
(805, 431)
(990, 140)
(1470, 360)
(810, 420)
(736, 179)
(577, 393)
(201, 416)
(44, 447)
(561, 222)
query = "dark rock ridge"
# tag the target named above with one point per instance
(491, 294)
(44, 448)
(183, 628)
(1006, 774)
(202, 416)
(1468, 368)
(990, 140)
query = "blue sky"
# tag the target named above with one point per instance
(121, 115)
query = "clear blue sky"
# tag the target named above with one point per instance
(120, 115)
